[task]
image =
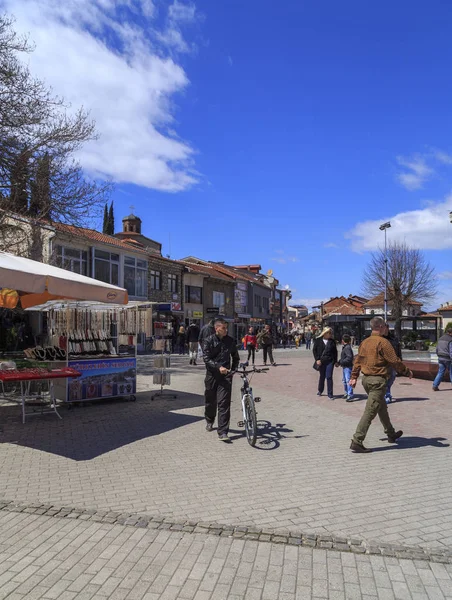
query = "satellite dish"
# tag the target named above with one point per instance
(269, 273)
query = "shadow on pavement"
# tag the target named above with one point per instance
(409, 400)
(268, 436)
(414, 442)
(89, 431)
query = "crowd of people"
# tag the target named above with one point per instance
(378, 360)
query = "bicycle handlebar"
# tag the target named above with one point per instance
(243, 372)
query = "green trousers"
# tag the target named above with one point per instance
(375, 386)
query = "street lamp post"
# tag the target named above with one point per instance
(384, 227)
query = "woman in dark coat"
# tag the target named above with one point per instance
(325, 355)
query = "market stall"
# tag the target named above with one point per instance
(27, 283)
(99, 341)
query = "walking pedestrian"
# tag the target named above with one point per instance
(181, 340)
(220, 356)
(192, 341)
(375, 356)
(250, 344)
(444, 352)
(392, 372)
(325, 355)
(308, 337)
(265, 340)
(346, 362)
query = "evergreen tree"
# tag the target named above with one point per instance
(105, 225)
(111, 220)
(40, 202)
(19, 183)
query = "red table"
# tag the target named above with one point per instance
(26, 376)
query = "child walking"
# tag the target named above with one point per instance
(346, 362)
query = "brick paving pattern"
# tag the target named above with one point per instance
(58, 559)
(156, 459)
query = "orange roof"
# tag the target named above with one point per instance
(96, 236)
(379, 300)
(344, 309)
(205, 270)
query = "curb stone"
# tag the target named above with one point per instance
(294, 538)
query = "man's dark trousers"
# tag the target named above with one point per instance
(267, 349)
(218, 394)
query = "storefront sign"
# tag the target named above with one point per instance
(103, 378)
(164, 307)
(212, 311)
(241, 297)
(176, 306)
(197, 314)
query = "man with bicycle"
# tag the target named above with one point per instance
(221, 357)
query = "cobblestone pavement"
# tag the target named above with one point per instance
(156, 458)
(60, 559)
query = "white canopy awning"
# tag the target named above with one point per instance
(32, 277)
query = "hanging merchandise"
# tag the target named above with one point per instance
(162, 362)
(99, 341)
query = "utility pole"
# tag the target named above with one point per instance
(384, 227)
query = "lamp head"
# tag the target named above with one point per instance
(385, 226)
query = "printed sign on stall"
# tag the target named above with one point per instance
(103, 378)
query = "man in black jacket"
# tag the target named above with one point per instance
(192, 341)
(220, 356)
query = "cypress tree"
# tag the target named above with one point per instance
(111, 220)
(40, 190)
(19, 183)
(105, 225)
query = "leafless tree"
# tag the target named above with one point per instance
(38, 136)
(410, 278)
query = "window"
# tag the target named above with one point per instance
(156, 280)
(136, 276)
(106, 267)
(72, 259)
(265, 303)
(218, 300)
(193, 294)
(172, 283)
(257, 301)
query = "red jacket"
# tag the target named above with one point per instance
(250, 339)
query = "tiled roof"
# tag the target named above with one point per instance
(96, 236)
(380, 300)
(344, 309)
(205, 270)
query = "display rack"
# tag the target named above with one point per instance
(100, 342)
(162, 362)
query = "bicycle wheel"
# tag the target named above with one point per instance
(251, 421)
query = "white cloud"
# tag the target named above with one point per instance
(330, 245)
(443, 157)
(416, 172)
(308, 302)
(230, 61)
(428, 229)
(445, 275)
(283, 258)
(107, 56)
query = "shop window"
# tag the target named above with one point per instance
(136, 276)
(72, 259)
(193, 294)
(106, 267)
(218, 300)
(172, 283)
(156, 280)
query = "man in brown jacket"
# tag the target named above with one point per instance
(374, 359)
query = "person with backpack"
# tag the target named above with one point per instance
(392, 373)
(444, 352)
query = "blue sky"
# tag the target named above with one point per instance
(263, 132)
